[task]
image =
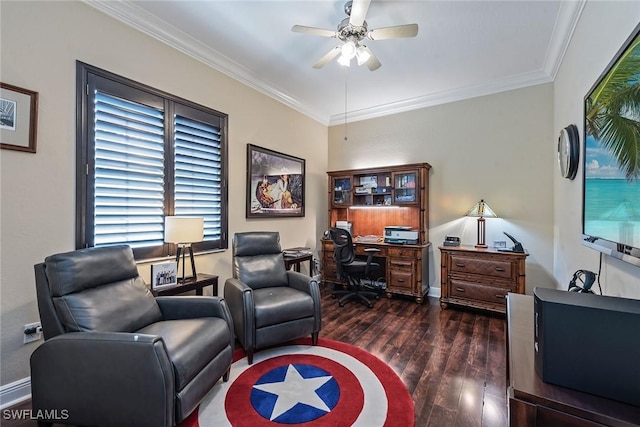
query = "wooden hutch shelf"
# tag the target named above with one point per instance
(371, 199)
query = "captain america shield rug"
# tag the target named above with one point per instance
(331, 384)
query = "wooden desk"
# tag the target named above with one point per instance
(405, 268)
(533, 402)
(296, 260)
(202, 281)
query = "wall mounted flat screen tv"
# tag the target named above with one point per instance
(611, 160)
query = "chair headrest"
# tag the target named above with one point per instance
(256, 243)
(82, 269)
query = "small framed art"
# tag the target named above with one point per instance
(18, 118)
(164, 275)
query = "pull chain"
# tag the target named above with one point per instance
(345, 103)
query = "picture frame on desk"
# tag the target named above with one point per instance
(164, 275)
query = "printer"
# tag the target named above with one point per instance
(400, 234)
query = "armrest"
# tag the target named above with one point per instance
(239, 298)
(98, 377)
(370, 253)
(191, 307)
(309, 285)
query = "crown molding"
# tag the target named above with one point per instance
(459, 94)
(566, 22)
(141, 20)
(138, 18)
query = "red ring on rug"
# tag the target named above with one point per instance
(398, 397)
(345, 413)
(400, 411)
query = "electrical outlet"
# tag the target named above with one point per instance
(35, 335)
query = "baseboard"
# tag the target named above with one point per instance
(15, 392)
(434, 292)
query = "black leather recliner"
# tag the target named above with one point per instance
(113, 354)
(269, 304)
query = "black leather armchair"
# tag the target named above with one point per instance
(113, 354)
(269, 304)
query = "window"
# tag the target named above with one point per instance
(143, 154)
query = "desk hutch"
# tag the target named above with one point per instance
(371, 199)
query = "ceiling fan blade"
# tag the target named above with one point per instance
(396, 32)
(327, 57)
(313, 31)
(359, 10)
(373, 63)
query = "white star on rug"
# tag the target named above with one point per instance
(293, 390)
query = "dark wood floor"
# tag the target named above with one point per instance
(452, 361)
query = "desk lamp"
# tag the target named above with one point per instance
(184, 231)
(481, 210)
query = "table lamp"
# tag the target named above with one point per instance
(481, 210)
(184, 231)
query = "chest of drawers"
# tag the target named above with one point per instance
(480, 278)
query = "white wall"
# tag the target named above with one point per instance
(40, 43)
(602, 29)
(494, 147)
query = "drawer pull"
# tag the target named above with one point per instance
(460, 289)
(500, 296)
(400, 280)
(459, 264)
(401, 264)
(499, 269)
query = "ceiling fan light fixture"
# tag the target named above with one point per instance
(349, 50)
(344, 61)
(362, 55)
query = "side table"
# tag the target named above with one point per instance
(295, 260)
(201, 281)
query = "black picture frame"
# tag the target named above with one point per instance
(275, 184)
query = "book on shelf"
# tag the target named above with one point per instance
(296, 251)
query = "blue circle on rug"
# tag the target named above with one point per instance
(295, 393)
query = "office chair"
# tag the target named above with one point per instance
(350, 269)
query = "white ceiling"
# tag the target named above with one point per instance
(463, 48)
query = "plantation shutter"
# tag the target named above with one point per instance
(141, 155)
(129, 173)
(197, 174)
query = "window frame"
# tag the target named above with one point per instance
(87, 75)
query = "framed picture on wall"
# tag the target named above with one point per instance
(164, 275)
(18, 118)
(275, 184)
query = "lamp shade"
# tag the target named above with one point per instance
(183, 229)
(482, 210)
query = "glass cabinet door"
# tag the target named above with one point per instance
(405, 189)
(342, 191)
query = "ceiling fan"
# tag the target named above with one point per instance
(352, 31)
